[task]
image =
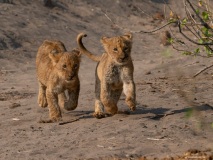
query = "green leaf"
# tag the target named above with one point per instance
(197, 50)
(197, 11)
(187, 53)
(200, 41)
(200, 3)
(205, 31)
(189, 113)
(171, 20)
(184, 21)
(205, 16)
(171, 40)
(208, 51)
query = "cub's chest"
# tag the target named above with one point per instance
(62, 86)
(58, 88)
(113, 74)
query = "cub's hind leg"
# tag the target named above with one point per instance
(42, 101)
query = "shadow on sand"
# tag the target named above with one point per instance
(158, 113)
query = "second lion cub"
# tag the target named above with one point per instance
(57, 71)
(114, 74)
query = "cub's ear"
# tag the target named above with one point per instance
(77, 52)
(55, 56)
(105, 43)
(128, 36)
(104, 40)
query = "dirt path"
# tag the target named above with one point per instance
(174, 112)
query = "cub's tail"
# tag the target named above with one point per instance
(84, 50)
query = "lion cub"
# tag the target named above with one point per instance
(57, 71)
(114, 74)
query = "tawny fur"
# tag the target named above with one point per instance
(57, 71)
(114, 74)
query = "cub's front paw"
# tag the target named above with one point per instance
(56, 119)
(69, 105)
(42, 101)
(52, 120)
(132, 108)
(99, 115)
(55, 115)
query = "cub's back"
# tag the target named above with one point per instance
(47, 47)
(43, 62)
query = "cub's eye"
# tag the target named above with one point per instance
(64, 66)
(115, 49)
(75, 66)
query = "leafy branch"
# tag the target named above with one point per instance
(201, 30)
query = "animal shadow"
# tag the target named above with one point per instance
(160, 112)
(80, 114)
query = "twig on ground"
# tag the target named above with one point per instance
(71, 121)
(15, 119)
(156, 139)
(60, 123)
(202, 70)
(45, 121)
(168, 114)
(144, 12)
(113, 22)
(190, 64)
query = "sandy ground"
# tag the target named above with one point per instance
(174, 111)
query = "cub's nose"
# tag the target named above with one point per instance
(125, 56)
(71, 75)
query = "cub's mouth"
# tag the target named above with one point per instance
(70, 78)
(123, 60)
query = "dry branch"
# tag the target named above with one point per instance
(202, 70)
(189, 39)
(201, 20)
(140, 31)
(192, 26)
(71, 121)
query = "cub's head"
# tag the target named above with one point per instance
(118, 48)
(66, 64)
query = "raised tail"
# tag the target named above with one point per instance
(84, 50)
